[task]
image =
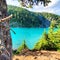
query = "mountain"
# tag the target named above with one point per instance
(50, 16)
(25, 18)
(53, 7)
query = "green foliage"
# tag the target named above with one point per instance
(52, 25)
(15, 52)
(41, 43)
(51, 17)
(23, 17)
(50, 40)
(32, 2)
(20, 48)
(29, 6)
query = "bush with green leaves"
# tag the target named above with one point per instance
(20, 48)
(50, 40)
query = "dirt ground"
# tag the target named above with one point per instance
(38, 55)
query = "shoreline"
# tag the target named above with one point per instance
(38, 55)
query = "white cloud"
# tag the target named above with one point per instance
(13, 2)
(53, 7)
(53, 2)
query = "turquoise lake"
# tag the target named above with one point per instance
(30, 35)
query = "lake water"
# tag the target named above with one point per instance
(30, 35)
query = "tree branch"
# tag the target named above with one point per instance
(5, 19)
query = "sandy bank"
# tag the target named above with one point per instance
(38, 55)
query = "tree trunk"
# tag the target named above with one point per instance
(5, 39)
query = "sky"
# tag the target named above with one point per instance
(53, 7)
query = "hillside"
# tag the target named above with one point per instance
(25, 18)
(50, 16)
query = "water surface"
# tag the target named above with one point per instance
(30, 35)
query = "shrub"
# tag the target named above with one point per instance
(50, 40)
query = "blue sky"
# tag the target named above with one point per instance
(53, 7)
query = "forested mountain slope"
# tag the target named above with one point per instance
(25, 18)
